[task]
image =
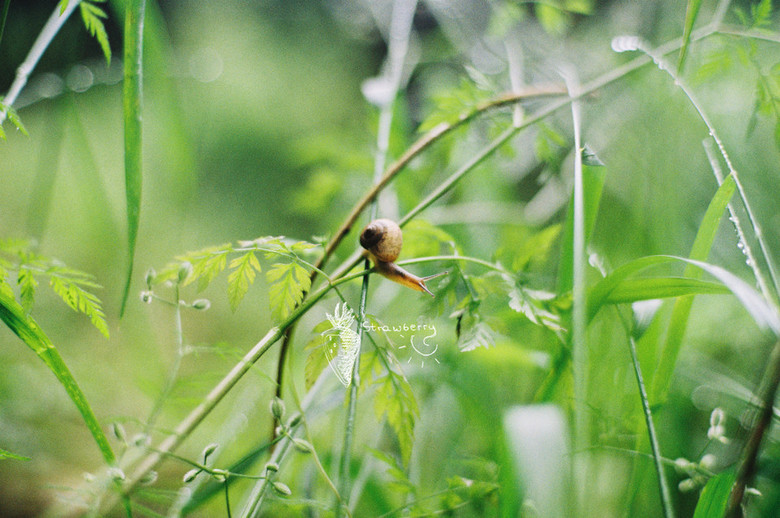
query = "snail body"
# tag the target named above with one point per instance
(382, 238)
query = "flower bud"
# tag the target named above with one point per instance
(185, 270)
(281, 488)
(277, 408)
(201, 304)
(190, 475)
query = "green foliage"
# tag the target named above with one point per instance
(691, 12)
(242, 276)
(93, 17)
(28, 330)
(394, 400)
(13, 117)
(455, 103)
(69, 284)
(715, 495)
(289, 281)
(760, 14)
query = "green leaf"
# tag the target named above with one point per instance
(12, 313)
(633, 290)
(317, 359)
(132, 108)
(93, 20)
(27, 285)
(395, 400)
(715, 495)
(288, 283)
(678, 321)
(691, 12)
(241, 277)
(762, 13)
(5, 454)
(80, 300)
(16, 121)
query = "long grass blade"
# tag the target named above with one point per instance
(132, 106)
(12, 313)
(691, 12)
(682, 306)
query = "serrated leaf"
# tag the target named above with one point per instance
(394, 400)
(28, 330)
(317, 360)
(288, 283)
(241, 277)
(27, 285)
(478, 335)
(81, 301)
(762, 13)
(93, 20)
(16, 121)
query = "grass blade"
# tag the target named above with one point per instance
(132, 106)
(682, 306)
(12, 313)
(593, 185)
(634, 290)
(715, 495)
(691, 12)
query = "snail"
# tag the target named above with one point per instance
(382, 239)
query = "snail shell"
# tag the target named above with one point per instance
(383, 238)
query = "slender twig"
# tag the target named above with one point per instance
(398, 41)
(52, 27)
(747, 467)
(171, 381)
(666, 498)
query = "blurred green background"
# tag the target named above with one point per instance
(254, 124)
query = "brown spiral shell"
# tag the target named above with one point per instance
(383, 238)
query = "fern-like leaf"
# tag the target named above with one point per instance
(93, 17)
(80, 300)
(242, 276)
(288, 283)
(395, 400)
(27, 285)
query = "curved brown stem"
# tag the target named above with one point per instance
(432, 136)
(747, 468)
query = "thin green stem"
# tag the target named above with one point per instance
(4, 17)
(52, 27)
(579, 343)
(174, 373)
(768, 294)
(398, 41)
(663, 484)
